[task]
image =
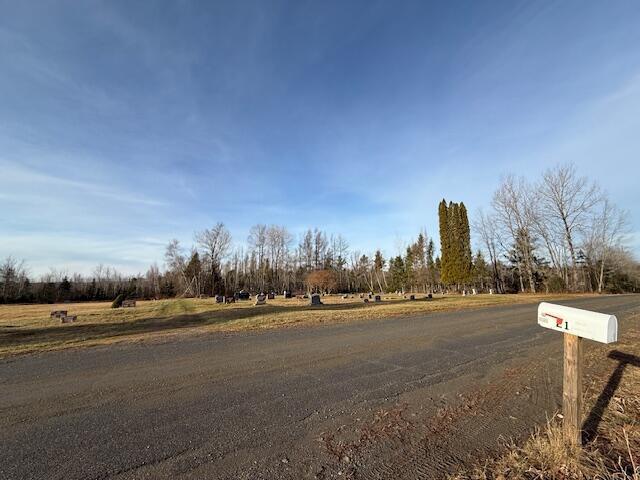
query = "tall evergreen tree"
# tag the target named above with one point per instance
(455, 242)
(445, 249)
(431, 264)
(455, 248)
(397, 273)
(464, 232)
(378, 266)
(410, 273)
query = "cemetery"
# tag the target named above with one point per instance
(37, 324)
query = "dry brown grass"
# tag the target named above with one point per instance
(28, 328)
(612, 413)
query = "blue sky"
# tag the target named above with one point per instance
(126, 124)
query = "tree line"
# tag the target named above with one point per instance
(558, 233)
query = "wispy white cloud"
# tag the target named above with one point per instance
(44, 185)
(81, 253)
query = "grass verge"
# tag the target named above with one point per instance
(611, 449)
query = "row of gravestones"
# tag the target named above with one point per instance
(243, 296)
(261, 299)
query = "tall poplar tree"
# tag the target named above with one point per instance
(466, 259)
(443, 217)
(455, 243)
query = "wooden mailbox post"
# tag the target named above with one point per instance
(575, 324)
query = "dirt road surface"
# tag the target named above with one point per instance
(399, 398)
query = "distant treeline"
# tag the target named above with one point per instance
(558, 234)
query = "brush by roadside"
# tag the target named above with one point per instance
(611, 449)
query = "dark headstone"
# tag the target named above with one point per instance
(230, 299)
(219, 299)
(412, 297)
(315, 299)
(430, 296)
(243, 295)
(271, 296)
(68, 318)
(366, 300)
(378, 298)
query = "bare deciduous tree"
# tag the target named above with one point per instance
(605, 235)
(510, 203)
(258, 242)
(13, 275)
(215, 243)
(567, 201)
(485, 226)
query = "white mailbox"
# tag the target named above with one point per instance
(581, 323)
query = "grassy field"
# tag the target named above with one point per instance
(28, 328)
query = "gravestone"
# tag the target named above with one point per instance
(261, 299)
(412, 297)
(315, 299)
(474, 291)
(464, 293)
(491, 291)
(219, 299)
(366, 300)
(243, 295)
(68, 318)
(430, 296)
(287, 294)
(378, 298)
(58, 314)
(231, 299)
(271, 296)
(345, 296)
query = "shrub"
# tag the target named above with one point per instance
(555, 284)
